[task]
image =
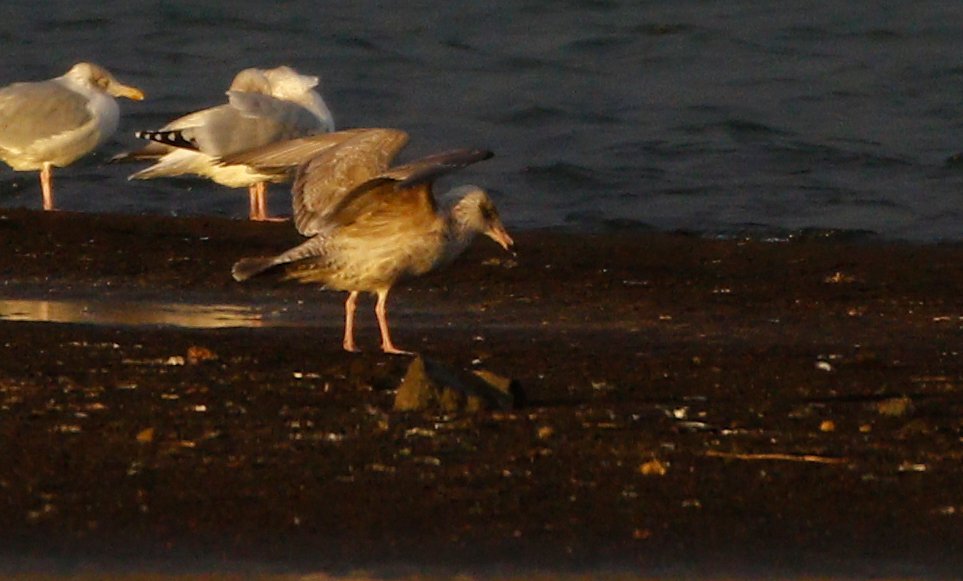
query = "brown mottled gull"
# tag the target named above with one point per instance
(264, 106)
(371, 224)
(56, 122)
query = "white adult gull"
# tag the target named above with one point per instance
(58, 121)
(370, 224)
(264, 106)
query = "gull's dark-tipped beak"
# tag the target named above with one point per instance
(498, 234)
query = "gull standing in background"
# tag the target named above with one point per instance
(370, 224)
(56, 122)
(264, 106)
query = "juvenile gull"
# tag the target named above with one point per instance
(56, 122)
(370, 224)
(264, 106)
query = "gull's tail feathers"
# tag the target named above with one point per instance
(247, 267)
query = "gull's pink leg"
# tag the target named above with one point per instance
(261, 201)
(386, 345)
(349, 306)
(262, 210)
(258, 194)
(252, 193)
(46, 185)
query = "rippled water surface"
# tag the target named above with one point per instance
(721, 118)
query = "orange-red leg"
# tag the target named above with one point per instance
(382, 312)
(259, 210)
(46, 185)
(252, 194)
(262, 213)
(349, 308)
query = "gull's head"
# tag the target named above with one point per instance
(475, 211)
(286, 83)
(98, 78)
(251, 81)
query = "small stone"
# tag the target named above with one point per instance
(839, 278)
(452, 400)
(502, 384)
(545, 432)
(917, 427)
(641, 534)
(895, 406)
(827, 426)
(430, 384)
(197, 354)
(367, 374)
(654, 467)
(416, 390)
(912, 467)
(145, 436)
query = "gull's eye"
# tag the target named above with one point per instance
(488, 212)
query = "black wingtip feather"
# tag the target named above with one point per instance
(173, 137)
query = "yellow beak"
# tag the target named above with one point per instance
(119, 90)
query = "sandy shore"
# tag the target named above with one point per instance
(695, 407)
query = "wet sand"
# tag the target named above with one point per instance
(694, 407)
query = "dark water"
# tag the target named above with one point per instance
(717, 117)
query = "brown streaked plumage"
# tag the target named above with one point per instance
(56, 122)
(370, 224)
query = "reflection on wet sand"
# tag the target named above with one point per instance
(133, 313)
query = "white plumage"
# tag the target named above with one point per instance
(264, 106)
(56, 122)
